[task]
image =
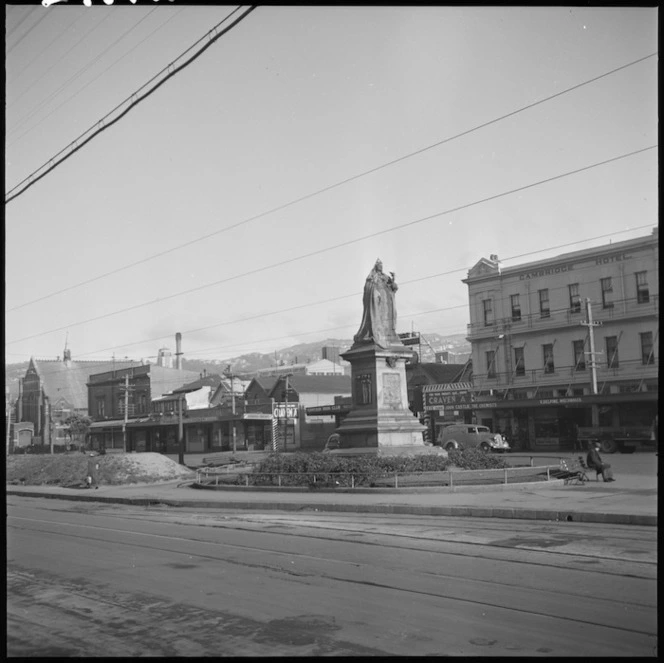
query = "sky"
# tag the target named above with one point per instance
(244, 202)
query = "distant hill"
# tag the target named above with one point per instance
(303, 353)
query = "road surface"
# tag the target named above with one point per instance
(111, 580)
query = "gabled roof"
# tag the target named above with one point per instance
(483, 267)
(212, 381)
(265, 382)
(67, 380)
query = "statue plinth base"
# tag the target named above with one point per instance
(380, 422)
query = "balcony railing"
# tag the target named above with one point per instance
(631, 369)
(621, 309)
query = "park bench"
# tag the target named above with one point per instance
(571, 470)
(584, 465)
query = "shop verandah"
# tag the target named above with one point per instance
(203, 430)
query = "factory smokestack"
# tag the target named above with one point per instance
(178, 351)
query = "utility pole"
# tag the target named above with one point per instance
(9, 415)
(593, 367)
(286, 413)
(230, 372)
(180, 432)
(126, 413)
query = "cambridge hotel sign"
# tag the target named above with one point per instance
(568, 267)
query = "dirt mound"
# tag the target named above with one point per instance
(115, 469)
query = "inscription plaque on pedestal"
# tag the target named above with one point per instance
(391, 389)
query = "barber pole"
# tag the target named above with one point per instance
(275, 430)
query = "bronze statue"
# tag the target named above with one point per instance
(379, 318)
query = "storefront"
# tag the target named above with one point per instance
(548, 424)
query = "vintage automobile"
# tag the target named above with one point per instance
(470, 436)
(333, 442)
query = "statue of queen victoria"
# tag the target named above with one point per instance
(379, 318)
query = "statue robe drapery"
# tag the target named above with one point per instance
(379, 317)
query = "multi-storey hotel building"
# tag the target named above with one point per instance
(567, 340)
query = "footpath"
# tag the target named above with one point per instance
(630, 500)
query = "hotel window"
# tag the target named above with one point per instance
(519, 362)
(545, 311)
(579, 355)
(547, 352)
(607, 292)
(488, 312)
(101, 406)
(647, 351)
(574, 298)
(516, 308)
(491, 363)
(612, 360)
(642, 292)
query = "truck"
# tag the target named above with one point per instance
(625, 439)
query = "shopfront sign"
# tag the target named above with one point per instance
(283, 411)
(454, 395)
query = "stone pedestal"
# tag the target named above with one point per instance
(380, 422)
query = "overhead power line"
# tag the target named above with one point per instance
(339, 245)
(122, 57)
(27, 32)
(290, 309)
(353, 294)
(11, 31)
(72, 78)
(324, 189)
(16, 75)
(59, 60)
(105, 123)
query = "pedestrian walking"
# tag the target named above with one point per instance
(93, 468)
(594, 462)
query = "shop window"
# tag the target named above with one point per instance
(607, 292)
(519, 362)
(491, 363)
(546, 429)
(516, 308)
(612, 359)
(647, 349)
(488, 312)
(574, 298)
(545, 310)
(547, 352)
(579, 355)
(642, 291)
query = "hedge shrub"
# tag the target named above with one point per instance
(296, 469)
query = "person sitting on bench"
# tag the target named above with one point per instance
(594, 462)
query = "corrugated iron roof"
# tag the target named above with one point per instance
(317, 384)
(212, 380)
(67, 380)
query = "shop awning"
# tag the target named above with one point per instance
(111, 423)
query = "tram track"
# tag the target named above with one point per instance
(101, 534)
